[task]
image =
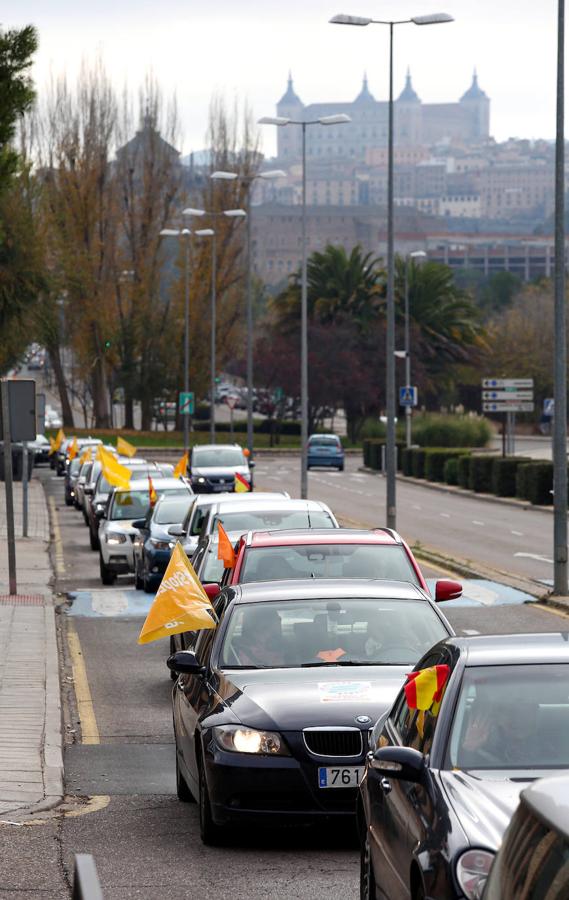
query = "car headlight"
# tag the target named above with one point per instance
(239, 739)
(472, 870)
(161, 545)
(198, 480)
(115, 537)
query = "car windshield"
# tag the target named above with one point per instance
(74, 466)
(212, 570)
(129, 505)
(85, 470)
(222, 457)
(324, 440)
(273, 520)
(328, 561)
(170, 512)
(293, 633)
(512, 717)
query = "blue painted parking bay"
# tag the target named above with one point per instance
(129, 603)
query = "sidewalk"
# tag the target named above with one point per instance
(31, 763)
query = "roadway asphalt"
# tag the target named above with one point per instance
(146, 844)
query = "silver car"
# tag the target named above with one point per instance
(116, 532)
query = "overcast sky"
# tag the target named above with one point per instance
(244, 49)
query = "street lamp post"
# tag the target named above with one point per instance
(185, 233)
(415, 254)
(281, 121)
(390, 391)
(248, 181)
(209, 232)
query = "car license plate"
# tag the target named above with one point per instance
(340, 777)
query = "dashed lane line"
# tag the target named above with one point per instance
(477, 522)
(89, 727)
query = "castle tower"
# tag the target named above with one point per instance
(478, 106)
(289, 139)
(408, 115)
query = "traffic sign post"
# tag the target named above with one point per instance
(507, 395)
(231, 403)
(408, 395)
(186, 403)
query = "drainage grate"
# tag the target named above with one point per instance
(22, 600)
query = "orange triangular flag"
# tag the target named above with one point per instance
(225, 549)
(74, 449)
(181, 466)
(181, 603)
(152, 495)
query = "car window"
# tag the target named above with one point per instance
(533, 863)
(222, 457)
(213, 568)
(196, 522)
(74, 466)
(363, 631)
(270, 520)
(412, 729)
(324, 440)
(170, 512)
(129, 505)
(328, 561)
(510, 717)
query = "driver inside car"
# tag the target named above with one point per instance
(261, 642)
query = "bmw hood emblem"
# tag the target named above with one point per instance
(363, 720)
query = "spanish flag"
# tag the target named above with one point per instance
(425, 687)
(124, 448)
(241, 484)
(181, 604)
(182, 466)
(117, 475)
(74, 449)
(225, 549)
(153, 496)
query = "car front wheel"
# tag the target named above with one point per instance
(107, 574)
(367, 879)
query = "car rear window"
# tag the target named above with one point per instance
(389, 562)
(324, 440)
(272, 520)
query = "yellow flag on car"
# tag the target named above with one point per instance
(124, 448)
(59, 439)
(52, 446)
(85, 456)
(74, 449)
(181, 603)
(181, 466)
(117, 475)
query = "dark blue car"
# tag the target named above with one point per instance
(325, 450)
(153, 545)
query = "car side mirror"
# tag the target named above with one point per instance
(177, 531)
(88, 489)
(212, 590)
(403, 763)
(139, 523)
(184, 662)
(447, 590)
(252, 464)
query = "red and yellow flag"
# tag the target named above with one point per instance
(181, 604)
(124, 448)
(152, 495)
(425, 687)
(241, 484)
(225, 549)
(181, 466)
(74, 449)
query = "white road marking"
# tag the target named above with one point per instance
(481, 594)
(476, 522)
(109, 603)
(518, 533)
(470, 631)
(417, 507)
(535, 556)
(358, 475)
(445, 515)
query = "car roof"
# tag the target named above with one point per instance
(232, 497)
(513, 649)
(161, 483)
(326, 435)
(328, 588)
(277, 504)
(301, 536)
(548, 799)
(217, 447)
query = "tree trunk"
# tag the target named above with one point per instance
(66, 410)
(128, 410)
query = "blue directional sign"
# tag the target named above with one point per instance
(408, 395)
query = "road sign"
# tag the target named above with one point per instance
(231, 401)
(508, 394)
(408, 395)
(502, 383)
(503, 406)
(21, 395)
(549, 406)
(186, 403)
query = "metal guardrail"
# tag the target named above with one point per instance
(86, 884)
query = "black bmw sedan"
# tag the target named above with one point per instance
(442, 783)
(272, 710)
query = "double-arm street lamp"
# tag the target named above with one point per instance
(390, 391)
(282, 121)
(248, 180)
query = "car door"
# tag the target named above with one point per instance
(399, 810)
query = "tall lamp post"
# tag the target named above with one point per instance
(390, 393)
(415, 254)
(185, 234)
(282, 121)
(248, 181)
(209, 232)
(560, 365)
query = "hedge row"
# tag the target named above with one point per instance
(260, 426)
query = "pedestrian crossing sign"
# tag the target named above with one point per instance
(408, 395)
